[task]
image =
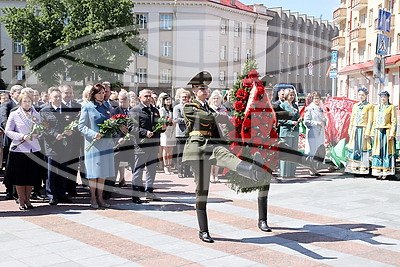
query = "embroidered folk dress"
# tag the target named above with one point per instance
(383, 150)
(359, 148)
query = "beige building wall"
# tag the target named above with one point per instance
(356, 43)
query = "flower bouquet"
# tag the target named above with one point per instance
(111, 127)
(125, 121)
(162, 121)
(36, 128)
(70, 127)
(253, 121)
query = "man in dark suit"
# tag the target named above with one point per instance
(5, 110)
(124, 152)
(37, 103)
(107, 87)
(54, 114)
(147, 116)
(75, 141)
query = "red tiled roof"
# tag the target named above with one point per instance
(238, 5)
(368, 65)
(357, 67)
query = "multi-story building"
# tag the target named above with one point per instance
(356, 43)
(209, 39)
(299, 50)
(185, 39)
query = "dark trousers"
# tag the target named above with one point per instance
(183, 169)
(56, 184)
(149, 160)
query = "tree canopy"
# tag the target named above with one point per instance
(77, 38)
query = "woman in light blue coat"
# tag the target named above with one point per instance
(99, 160)
(289, 131)
(315, 121)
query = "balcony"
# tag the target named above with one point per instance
(338, 43)
(357, 5)
(339, 14)
(358, 35)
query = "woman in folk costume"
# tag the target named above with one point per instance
(359, 147)
(384, 132)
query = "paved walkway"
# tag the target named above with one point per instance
(331, 220)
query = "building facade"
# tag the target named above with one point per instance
(357, 21)
(183, 39)
(299, 50)
(187, 38)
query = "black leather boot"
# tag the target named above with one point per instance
(262, 214)
(204, 235)
(252, 171)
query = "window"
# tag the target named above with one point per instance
(18, 47)
(67, 78)
(143, 52)
(224, 26)
(249, 54)
(233, 2)
(166, 22)
(222, 54)
(236, 55)
(166, 49)
(362, 52)
(298, 46)
(369, 51)
(390, 42)
(354, 55)
(249, 32)
(398, 43)
(370, 17)
(20, 73)
(165, 76)
(222, 78)
(363, 18)
(142, 21)
(237, 29)
(142, 75)
(235, 76)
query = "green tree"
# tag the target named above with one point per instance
(84, 38)
(2, 68)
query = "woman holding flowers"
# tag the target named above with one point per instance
(384, 133)
(167, 138)
(24, 150)
(289, 131)
(359, 147)
(99, 159)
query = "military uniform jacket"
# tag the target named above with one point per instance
(204, 134)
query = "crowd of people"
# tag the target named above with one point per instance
(70, 143)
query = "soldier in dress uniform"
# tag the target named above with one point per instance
(203, 148)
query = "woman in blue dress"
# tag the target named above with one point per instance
(99, 160)
(289, 131)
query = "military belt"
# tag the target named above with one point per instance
(200, 133)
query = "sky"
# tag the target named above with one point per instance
(314, 8)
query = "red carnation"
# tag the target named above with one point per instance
(247, 135)
(260, 90)
(242, 94)
(232, 135)
(257, 141)
(247, 123)
(247, 82)
(235, 147)
(253, 74)
(255, 121)
(258, 82)
(236, 121)
(239, 106)
(263, 131)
